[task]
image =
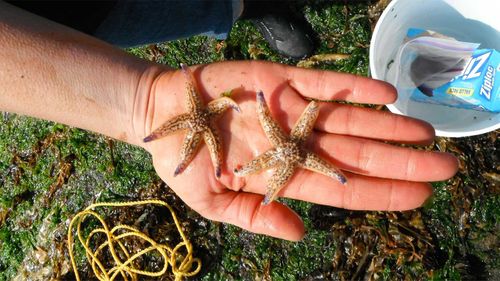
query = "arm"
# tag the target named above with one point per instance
(52, 72)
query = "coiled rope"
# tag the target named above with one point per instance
(181, 265)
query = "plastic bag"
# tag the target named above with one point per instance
(432, 68)
(428, 60)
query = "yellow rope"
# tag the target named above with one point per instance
(180, 265)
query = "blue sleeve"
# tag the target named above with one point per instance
(133, 23)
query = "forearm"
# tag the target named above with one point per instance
(52, 72)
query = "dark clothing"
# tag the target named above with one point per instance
(127, 23)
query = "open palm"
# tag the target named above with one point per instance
(380, 176)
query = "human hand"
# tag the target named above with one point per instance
(380, 176)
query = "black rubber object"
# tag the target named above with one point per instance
(285, 33)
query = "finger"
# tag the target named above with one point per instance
(329, 85)
(375, 124)
(287, 106)
(360, 193)
(246, 211)
(382, 160)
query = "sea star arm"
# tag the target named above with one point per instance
(304, 126)
(280, 177)
(219, 105)
(272, 130)
(194, 101)
(316, 164)
(174, 124)
(189, 148)
(264, 161)
(214, 144)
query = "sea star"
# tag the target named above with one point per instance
(198, 121)
(288, 152)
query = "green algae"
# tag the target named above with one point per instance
(34, 154)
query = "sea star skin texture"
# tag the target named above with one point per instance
(199, 123)
(287, 153)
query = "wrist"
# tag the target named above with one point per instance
(143, 103)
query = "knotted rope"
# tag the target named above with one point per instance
(180, 265)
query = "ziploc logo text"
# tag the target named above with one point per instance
(488, 82)
(475, 66)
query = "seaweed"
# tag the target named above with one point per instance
(49, 172)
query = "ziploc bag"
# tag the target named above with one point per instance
(430, 67)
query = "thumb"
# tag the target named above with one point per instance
(246, 211)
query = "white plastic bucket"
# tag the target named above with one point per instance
(475, 21)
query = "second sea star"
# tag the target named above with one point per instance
(288, 152)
